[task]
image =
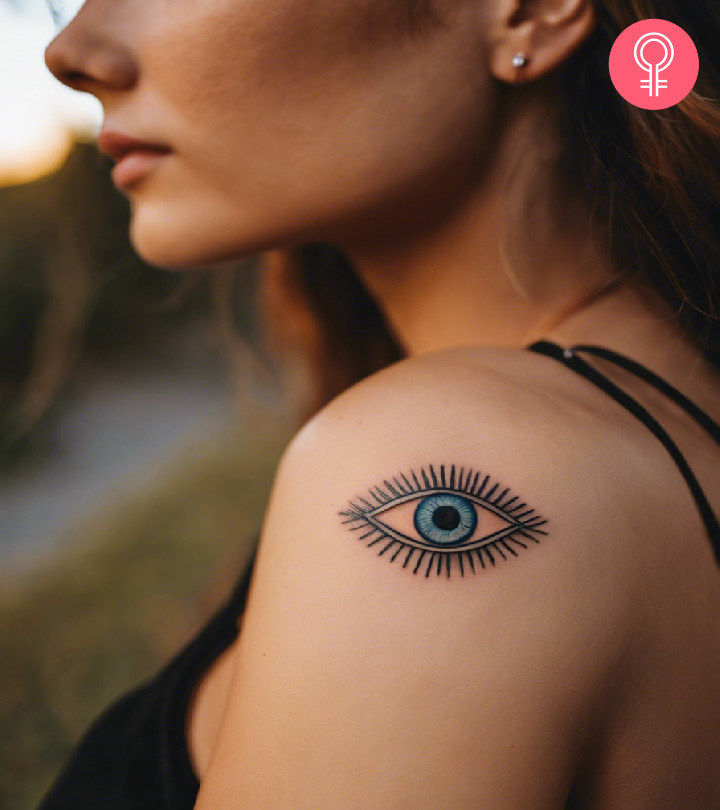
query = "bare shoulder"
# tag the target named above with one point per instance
(439, 584)
(513, 428)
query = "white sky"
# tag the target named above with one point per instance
(37, 113)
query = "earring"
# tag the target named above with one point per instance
(520, 60)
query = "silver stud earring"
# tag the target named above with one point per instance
(520, 60)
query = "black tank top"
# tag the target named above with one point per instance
(134, 756)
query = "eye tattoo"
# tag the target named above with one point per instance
(443, 512)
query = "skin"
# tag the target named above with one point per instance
(319, 120)
(293, 126)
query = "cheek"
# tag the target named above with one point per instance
(303, 111)
(243, 66)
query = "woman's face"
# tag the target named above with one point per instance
(287, 121)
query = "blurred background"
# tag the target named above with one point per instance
(140, 425)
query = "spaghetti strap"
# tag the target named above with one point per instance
(705, 421)
(570, 359)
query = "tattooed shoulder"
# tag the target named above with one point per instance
(438, 529)
(441, 470)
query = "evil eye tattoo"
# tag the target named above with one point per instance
(436, 522)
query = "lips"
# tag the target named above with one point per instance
(117, 145)
(134, 158)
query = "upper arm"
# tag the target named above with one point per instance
(364, 679)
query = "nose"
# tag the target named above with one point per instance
(86, 58)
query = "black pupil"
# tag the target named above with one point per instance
(446, 517)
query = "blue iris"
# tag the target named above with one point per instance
(445, 519)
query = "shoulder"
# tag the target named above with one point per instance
(522, 419)
(524, 395)
(536, 433)
(531, 442)
(437, 585)
(532, 445)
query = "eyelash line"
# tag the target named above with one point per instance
(526, 523)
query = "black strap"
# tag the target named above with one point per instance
(577, 364)
(699, 415)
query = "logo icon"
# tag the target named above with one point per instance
(651, 67)
(643, 52)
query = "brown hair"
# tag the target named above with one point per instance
(652, 178)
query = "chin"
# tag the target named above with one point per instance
(172, 255)
(185, 246)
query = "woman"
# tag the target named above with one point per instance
(482, 581)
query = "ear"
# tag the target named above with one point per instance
(546, 32)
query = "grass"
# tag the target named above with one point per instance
(133, 584)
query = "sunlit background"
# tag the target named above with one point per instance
(140, 425)
(39, 117)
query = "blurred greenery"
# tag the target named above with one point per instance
(72, 287)
(128, 590)
(139, 578)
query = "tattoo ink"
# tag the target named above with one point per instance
(438, 523)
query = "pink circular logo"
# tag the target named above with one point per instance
(654, 64)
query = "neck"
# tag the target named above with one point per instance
(467, 304)
(475, 303)
(473, 276)
(472, 283)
